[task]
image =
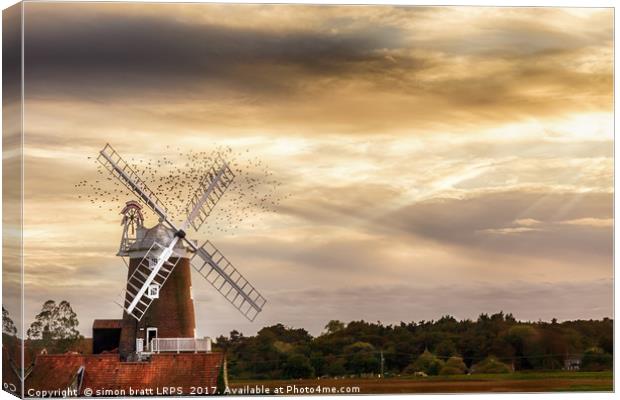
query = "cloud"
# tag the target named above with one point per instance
(594, 222)
(366, 69)
(508, 231)
(96, 50)
(486, 222)
(526, 222)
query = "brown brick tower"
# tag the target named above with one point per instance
(172, 314)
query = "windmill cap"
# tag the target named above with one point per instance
(145, 237)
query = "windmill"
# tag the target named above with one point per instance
(153, 270)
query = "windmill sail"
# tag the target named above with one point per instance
(224, 277)
(211, 189)
(113, 162)
(154, 269)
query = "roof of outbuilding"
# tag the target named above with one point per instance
(106, 371)
(107, 323)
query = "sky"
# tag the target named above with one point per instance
(442, 160)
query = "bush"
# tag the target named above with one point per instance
(595, 359)
(427, 363)
(454, 366)
(490, 365)
(298, 366)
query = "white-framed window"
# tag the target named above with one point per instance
(153, 291)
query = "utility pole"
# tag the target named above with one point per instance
(382, 364)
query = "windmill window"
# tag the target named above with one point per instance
(153, 291)
(152, 263)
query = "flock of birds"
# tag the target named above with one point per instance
(176, 177)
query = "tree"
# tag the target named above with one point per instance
(595, 359)
(298, 366)
(56, 326)
(454, 366)
(361, 358)
(446, 348)
(8, 326)
(335, 366)
(524, 340)
(472, 346)
(41, 328)
(427, 363)
(318, 363)
(606, 341)
(352, 348)
(235, 336)
(334, 326)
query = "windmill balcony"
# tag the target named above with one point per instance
(175, 345)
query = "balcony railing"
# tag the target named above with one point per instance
(178, 345)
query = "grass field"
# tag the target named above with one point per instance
(515, 382)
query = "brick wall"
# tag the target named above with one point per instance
(172, 314)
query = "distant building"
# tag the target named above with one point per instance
(572, 363)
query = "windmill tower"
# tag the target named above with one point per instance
(157, 301)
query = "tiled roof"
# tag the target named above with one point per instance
(51, 372)
(12, 358)
(107, 324)
(106, 371)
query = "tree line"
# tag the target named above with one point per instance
(496, 343)
(491, 344)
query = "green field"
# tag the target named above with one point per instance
(514, 382)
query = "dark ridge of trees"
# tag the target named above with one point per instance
(496, 342)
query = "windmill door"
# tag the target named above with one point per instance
(151, 333)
